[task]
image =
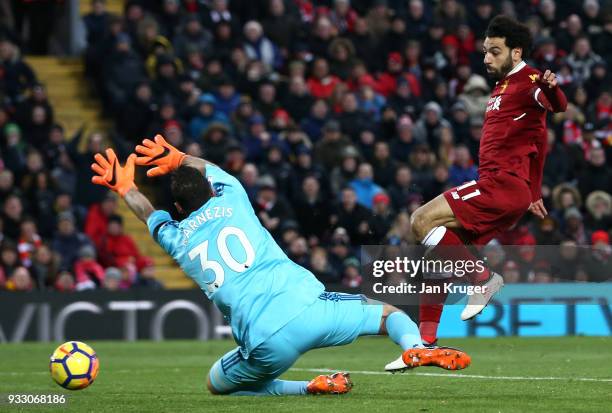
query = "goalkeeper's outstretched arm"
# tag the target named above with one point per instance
(139, 204)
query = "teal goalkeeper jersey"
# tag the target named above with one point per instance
(224, 248)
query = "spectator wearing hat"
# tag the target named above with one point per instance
(271, 207)
(88, 273)
(386, 81)
(112, 279)
(38, 98)
(382, 215)
(305, 166)
(599, 262)
(14, 154)
(403, 100)
(216, 141)
(312, 209)
(344, 173)
(475, 96)
(599, 211)
(206, 115)
(573, 227)
(118, 248)
(339, 249)
(258, 47)
(351, 276)
(428, 128)
(267, 102)
(68, 240)
(546, 55)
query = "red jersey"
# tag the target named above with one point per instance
(514, 130)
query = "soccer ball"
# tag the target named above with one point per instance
(74, 365)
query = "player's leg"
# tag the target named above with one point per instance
(257, 375)
(341, 318)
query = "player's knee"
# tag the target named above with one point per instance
(209, 385)
(419, 223)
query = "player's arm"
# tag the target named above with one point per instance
(536, 171)
(120, 179)
(549, 95)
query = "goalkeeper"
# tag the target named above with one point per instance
(277, 309)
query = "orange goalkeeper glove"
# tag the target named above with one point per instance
(160, 153)
(111, 174)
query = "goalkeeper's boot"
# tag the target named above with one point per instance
(445, 357)
(478, 301)
(337, 383)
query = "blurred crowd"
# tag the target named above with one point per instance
(339, 117)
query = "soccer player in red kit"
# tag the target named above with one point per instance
(511, 161)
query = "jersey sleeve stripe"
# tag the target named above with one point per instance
(535, 96)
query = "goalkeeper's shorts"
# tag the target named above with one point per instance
(334, 319)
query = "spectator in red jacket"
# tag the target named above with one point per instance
(89, 274)
(96, 222)
(322, 83)
(118, 249)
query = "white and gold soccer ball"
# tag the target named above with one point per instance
(74, 365)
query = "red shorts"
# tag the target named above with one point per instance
(489, 206)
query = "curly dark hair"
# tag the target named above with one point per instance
(517, 35)
(190, 188)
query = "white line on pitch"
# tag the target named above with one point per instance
(456, 375)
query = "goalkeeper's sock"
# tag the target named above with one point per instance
(402, 330)
(448, 245)
(430, 311)
(276, 388)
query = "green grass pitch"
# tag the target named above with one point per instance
(522, 375)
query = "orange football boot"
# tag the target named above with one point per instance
(444, 357)
(337, 383)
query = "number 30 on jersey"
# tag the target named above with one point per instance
(227, 258)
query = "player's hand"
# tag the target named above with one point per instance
(537, 209)
(549, 78)
(159, 153)
(111, 174)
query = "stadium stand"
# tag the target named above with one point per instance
(339, 117)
